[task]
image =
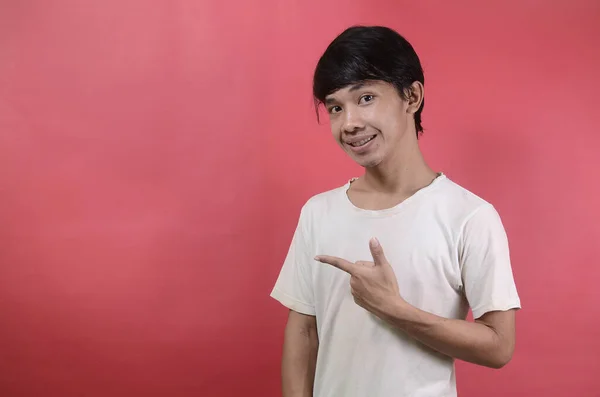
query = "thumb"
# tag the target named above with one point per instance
(377, 252)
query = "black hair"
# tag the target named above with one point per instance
(362, 53)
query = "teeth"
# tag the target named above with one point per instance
(360, 143)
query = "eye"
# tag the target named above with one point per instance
(335, 109)
(366, 98)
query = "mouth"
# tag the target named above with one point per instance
(362, 142)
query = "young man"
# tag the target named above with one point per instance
(382, 271)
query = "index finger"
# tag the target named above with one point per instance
(340, 263)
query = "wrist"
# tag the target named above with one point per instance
(396, 311)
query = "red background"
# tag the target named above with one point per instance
(154, 156)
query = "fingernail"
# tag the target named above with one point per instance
(317, 258)
(374, 242)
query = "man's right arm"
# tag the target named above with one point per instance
(299, 359)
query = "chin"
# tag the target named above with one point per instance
(370, 162)
(370, 159)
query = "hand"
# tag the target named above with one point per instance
(373, 284)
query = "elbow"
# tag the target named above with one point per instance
(500, 358)
(499, 363)
(500, 344)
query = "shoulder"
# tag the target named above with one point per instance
(320, 206)
(475, 218)
(460, 195)
(461, 203)
(315, 209)
(325, 201)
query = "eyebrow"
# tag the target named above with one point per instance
(357, 86)
(354, 87)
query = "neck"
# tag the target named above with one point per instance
(401, 174)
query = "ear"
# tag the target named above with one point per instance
(415, 97)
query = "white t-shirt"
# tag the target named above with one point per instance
(449, 251)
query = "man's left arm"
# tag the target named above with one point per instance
(488, 285)
(489, 341)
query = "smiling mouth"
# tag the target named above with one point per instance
(362, 142)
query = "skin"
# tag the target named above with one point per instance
(394, 170)
(299, 359)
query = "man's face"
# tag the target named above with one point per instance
(369, 121)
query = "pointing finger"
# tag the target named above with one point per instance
(340, 263)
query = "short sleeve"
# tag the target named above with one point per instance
(294, 288)
(485, 262)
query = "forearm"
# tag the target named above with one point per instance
(473, 342)
(299, 361)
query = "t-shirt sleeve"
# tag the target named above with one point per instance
(294, 287)
(486, 268)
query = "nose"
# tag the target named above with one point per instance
(352, 122)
